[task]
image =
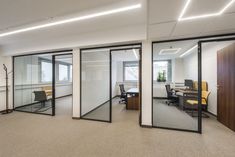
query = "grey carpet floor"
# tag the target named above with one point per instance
(30, 135)
(172, 117)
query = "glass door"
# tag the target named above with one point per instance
(62, 84)
(95, 84)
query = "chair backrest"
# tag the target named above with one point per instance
(122, 89)
(205, 95)
(47, 88)
(40, 96)
(204, 85)
(168, 90)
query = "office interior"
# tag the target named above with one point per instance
(108, 74)
(33, 83)
(175, 83)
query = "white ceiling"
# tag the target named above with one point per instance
(156, 20)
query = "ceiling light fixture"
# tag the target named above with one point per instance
(170, 51)
(80, 18)
(135, 53)
(181, 18)
(188, 51)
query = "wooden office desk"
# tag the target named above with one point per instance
(181, 94)
(133, 100)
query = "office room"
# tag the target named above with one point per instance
(118, 95)
(175, 83)
(33, 84)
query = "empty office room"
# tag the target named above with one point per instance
(111, 78)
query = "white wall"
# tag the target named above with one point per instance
(76, 83)
(146, 83)
(7, 61)
(178, 70)
(191, 66)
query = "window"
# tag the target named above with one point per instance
(71, 73)
(63, 72)
(162, 71)
(46, 71)
(131, 71)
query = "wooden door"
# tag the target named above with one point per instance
(226, 86)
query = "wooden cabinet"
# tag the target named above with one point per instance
(133, 102)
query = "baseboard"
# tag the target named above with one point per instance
(75, 118)
(211, 114)
(146, 126)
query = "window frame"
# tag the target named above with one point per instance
(57, 63)
(124, 71)
(169, 61)
(40, 69)
(58, 71)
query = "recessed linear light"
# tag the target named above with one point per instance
(181, 18)
(108, 12)
(135, 53)
(188, 51)
(170, 51)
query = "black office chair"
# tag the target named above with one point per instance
(123, 95)
(41, 97)
(171, 97)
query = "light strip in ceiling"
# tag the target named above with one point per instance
(75, 19)
(181, 18)
(188, 51)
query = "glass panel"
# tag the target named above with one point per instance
(63, 85)
(95, 85)
(175, 75)
(46, 71)
(33, 84)
(131, 70)
(63, 72)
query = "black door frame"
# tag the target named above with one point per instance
(110, 88)
(201, 39)
(54, 80)
(13, 73)
(139, 81)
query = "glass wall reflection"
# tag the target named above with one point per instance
(175, 79)
(33, 84)
(95, 85)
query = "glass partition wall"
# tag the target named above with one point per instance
(33, 82)
(97, 84)
(32, 76)
(175, 85)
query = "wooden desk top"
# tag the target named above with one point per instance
(181, 92)
(133, 91)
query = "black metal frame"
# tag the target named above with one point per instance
(140, 77)
(111, 48)
(54, 80)
(13, 77)
(218, 37)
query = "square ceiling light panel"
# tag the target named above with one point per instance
(170, 51)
